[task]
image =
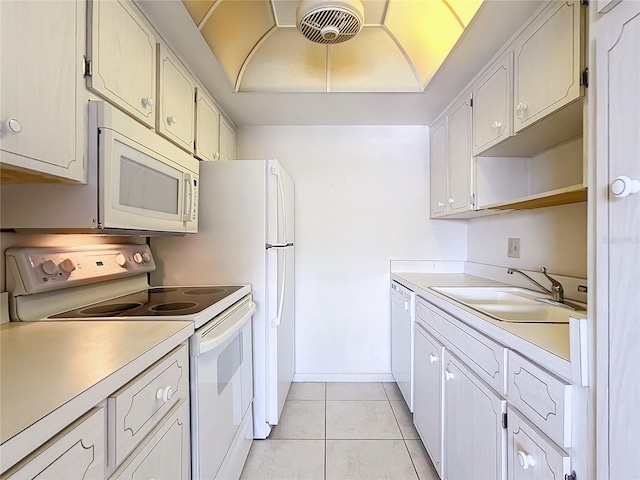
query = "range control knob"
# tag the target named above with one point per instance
(137, 257)
(49, 267)
(121, 260)
(146, 257)
(67, 266)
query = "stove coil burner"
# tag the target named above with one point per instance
(172, 307)
(110, 309)
(204, 291)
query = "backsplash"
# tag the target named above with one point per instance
(554, 237)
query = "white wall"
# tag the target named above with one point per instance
(555, 237)
(361, 200)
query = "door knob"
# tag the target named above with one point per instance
(497, 125)
(433, 358)
(525, 460)
(522, 107)
(448, 375)
(12, 125)
(164, 394)
(147, 102)
(172, 120)
(623, 186)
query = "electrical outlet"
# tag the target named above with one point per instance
(513, 248)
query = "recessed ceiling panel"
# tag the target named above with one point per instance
(371, 62)
(285, 11)
(286, 62)
(233, 30)
(198, 8)
(374, 11)
(427, 30)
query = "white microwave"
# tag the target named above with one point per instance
(137, 182)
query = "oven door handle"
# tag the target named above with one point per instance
(216, 340)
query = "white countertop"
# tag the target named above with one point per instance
(547, 344)
(69, 367)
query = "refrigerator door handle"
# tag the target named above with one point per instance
(276, 172)
(278, 245)
(276, 321)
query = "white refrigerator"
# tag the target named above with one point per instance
(245, 235)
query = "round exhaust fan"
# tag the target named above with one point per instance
(330, 21)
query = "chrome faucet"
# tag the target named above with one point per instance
(556, 292)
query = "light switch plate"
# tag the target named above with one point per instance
(513, 248)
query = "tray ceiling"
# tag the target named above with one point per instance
(402, 45)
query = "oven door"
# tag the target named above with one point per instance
(146, 183)
(221, 386)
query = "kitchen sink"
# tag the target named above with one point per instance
(508, 304)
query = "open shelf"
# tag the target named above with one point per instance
(561, 196)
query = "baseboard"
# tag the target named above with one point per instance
(343, 377)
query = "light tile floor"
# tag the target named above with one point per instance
(341, 431)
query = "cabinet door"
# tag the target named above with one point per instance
(617, 40)
(123, 58)
(427, 415)
(460, 160)
(227, 140)
(547, 63)
(207, 128)
(164, 454)
(491, 111)
(474, 440)
(176, 100)
(75, 453)
(438, 176)
(42, 127)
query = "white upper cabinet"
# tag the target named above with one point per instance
(547, 63)
(227, 140)
(176, 100)
(207, 128)
(492, 98)
(460, 160)
(438, 174)
(122, 51)
(41, 87)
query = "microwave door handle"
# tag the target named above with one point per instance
(187, 201)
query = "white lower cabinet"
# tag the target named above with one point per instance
(75, 453)
(164, 454)
(532, 456)
(474, 439)
(427, 414)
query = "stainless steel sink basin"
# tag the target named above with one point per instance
(508, 304)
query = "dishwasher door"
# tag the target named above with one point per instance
(403, 308)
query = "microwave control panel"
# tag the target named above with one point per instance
(40, 269)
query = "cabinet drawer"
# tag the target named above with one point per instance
(482, 355)
(530, 455)
(75, 453)
(136, 408)
(165, 452)
(541, 397)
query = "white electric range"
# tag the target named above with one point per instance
(109, 282)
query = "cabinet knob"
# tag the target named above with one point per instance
(164, 394)
(448, 375)
(12, 125)
(433, 358)
(172, 120)
(623, 186)
(451, 200)
(497, 125)
(525, 460)
(147, 102)
(440, 204)
(406, 306)
(522, 107)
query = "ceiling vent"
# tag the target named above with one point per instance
(331, 21)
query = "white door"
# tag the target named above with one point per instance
(617, 245)
(227, 140)
(402, 340)
(460, 160)
(281, 269)
(207, 128)
(439, 159)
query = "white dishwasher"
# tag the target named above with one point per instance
(403, 314)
